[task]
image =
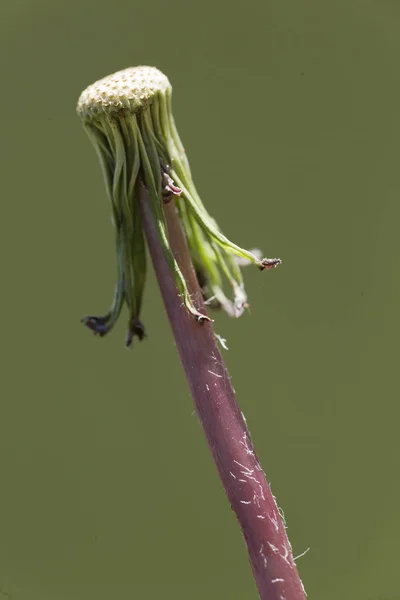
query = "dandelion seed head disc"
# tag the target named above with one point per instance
(129, 90)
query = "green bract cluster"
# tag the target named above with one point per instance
(128, 118)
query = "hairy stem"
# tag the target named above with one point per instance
(226, 431)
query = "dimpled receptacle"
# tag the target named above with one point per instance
(130, 89)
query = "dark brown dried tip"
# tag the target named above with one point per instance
(201, 319)
(99, 325)
(269, 263)
(136, 328)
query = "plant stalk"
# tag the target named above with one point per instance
(243, 479)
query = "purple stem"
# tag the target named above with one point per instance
(229, 440)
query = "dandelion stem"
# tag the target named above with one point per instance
(243, 479)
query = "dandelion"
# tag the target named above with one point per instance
(128, 117)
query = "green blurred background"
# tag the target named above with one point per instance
(289, 111)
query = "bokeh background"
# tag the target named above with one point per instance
(289, 111)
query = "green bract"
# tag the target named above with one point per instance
(129, 120)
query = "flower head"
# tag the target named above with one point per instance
(129, 120)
